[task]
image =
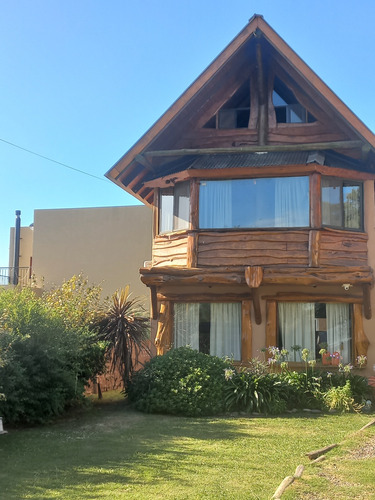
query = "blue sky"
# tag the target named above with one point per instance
(82, 80)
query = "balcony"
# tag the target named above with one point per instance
(15, 276)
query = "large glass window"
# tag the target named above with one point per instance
(314, 326)
(210, 328)
(175, 208)
(254, 203)
(341, 203)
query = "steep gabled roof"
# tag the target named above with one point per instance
(134, 167)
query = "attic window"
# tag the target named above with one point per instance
(287, 108)
(235, 113)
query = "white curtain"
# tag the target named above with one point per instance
(292, 202)
(225, 330)
(215, 204)
(297, 327)
(186, 325)
(338, 330)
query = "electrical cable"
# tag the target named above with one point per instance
(54, 161)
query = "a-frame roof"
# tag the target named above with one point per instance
(135, 166)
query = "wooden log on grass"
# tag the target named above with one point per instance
(287, 482)
(315, 454)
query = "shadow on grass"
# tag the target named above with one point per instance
(113, 448)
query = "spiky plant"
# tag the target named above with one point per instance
(126, 330)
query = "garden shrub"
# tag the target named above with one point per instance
(249, 392)
(44, 364)
(341, 399)
(181, 382)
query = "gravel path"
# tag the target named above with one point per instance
(365, 451)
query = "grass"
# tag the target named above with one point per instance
(110, 451)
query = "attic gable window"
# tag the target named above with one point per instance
(287, 108)
(235, 113)
(175, 208)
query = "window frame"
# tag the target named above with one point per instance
(343, 181)
(171, 191)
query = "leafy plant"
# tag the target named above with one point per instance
(181, 382)
(45, 364)
(249, 392)
(125, 329)
(341, 399)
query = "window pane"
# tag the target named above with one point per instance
(166, 212)
(182, 206)
(254, 203)
(210, 328)
(314, 326)
(352, 206)
(331, 202)
(186, 325)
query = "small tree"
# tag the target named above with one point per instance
(126, 330)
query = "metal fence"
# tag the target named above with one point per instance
(15, 276)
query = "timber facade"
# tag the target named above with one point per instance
(262, 186)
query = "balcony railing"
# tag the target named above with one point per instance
(15, 276)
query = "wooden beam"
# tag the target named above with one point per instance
(314, 248)
(361, 341)
(185, 296)
(253, 149)
(272, 275)
(154, 302)
(367, 301)
(194, 204)
(271, 325)
(253, 276)
(155, 213)
(163, 339)
(256, 305)
(315, 200)
(246, 332)
(262, 95)
(192, 250)
(310, 297)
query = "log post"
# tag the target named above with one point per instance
(163, 339)
(315, 200)
(366, 288)
(314, 248)
(263, 113)
(361, 341)
(271, 325)
(246, 332)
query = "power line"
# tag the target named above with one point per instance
(54, 161)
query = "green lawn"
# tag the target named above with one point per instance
(111, 451)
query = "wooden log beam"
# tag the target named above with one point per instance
(314, 248)
(246, 332)
(366, 288)
(154, 302)
(361, 342)
(315, 200)
(256, 305)
(192, 250)
(314, 146)
(262, 95)
(271, 324)
(253, 276)
(309, 297)
(287, 276)
(163, 339)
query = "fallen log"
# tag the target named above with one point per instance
(315, 454)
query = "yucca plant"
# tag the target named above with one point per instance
(126, 330)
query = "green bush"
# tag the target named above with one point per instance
(341, 399)
(44, 364)
(181, 382)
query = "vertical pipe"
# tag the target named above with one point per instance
(17, 237)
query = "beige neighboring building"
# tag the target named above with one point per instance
(108, 245)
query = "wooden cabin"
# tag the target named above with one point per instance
(262, 187)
